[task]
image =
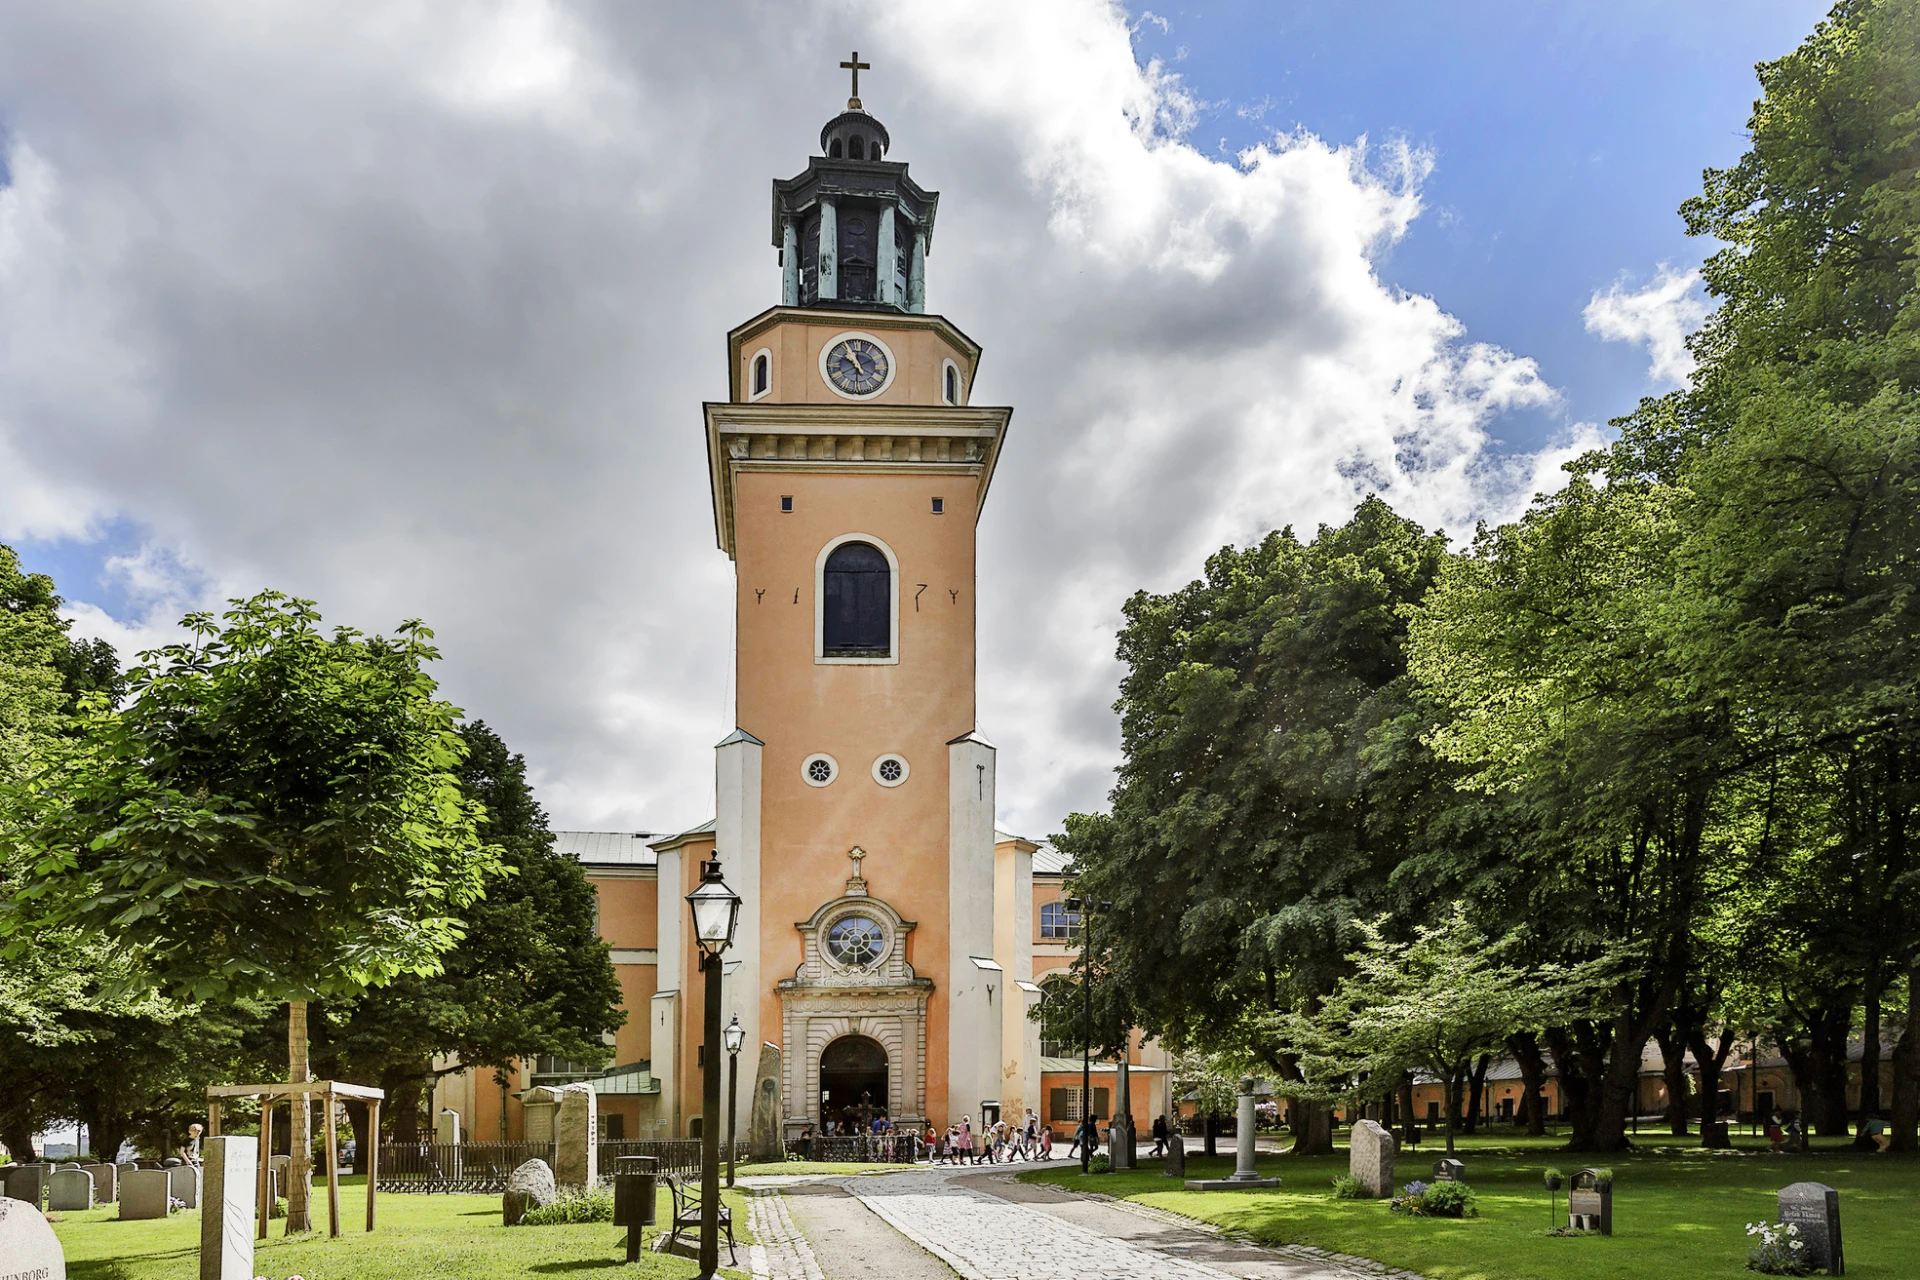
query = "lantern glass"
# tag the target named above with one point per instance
(716, 910)
(735, 1035)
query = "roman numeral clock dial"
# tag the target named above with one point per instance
(857, 366)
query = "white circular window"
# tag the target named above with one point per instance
(819, 770)
(890, 770)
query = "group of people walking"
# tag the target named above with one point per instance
(996, 1143)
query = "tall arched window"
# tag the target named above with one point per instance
(953, 385)
(873, 149)
(833, 149)
(857, 603)
(761, 366)
(857, 147)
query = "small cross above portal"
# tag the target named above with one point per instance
(856, 67)
(856, 886)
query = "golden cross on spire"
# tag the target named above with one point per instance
(856, 67)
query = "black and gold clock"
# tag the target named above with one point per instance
(857, 365)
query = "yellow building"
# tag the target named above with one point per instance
(887, 938)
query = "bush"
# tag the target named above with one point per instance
(1781, 1251)
(595, 1204)
(1348, 1187)
(1440, 1200)
(1100, 1164)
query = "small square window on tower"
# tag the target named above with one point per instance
(939, 506)
(786, 502)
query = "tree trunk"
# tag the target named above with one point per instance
(1673, 1069)
(106, 1134)
(1711, 1058)
(17, 1133)
(1906, 1072)
(1455, 1072)
(1525, 1049)
(1830, 1070)
(1870, 1055)
(357, 1113)
(1408, 1124)
(299, 1172)
(1476, 1093)
(1314, 1136)
(1211, 1130)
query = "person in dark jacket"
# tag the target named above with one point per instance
(1159, 1136)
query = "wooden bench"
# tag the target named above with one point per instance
(686, 1215)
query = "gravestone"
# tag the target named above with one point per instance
(1814, 1208)
(26, 1182)
(232, 1206)
(1449, 1171)
(446, 1128)
(1176, 1156)
(1370, 1154)
(1590, 1202)
(1245, 1176)
(106, 1182)
(28, 1248)
(70, 1190)
(764, 1128)
(143, 1194)
(576, 1157)
(183, 1184)
(529, 1186)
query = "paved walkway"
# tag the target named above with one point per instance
(987, 1226)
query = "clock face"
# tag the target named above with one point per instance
(857, 366)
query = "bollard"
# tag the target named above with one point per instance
(635, 1181)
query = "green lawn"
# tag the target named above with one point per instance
(1678, 1213)
(420, 1237)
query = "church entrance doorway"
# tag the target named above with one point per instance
(853, 1083)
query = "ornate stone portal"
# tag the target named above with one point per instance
(854, 980)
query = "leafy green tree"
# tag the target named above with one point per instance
(530, 976)
(276, 815)
(1274, 786)
(1430, 1004)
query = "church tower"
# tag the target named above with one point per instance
(855, 797)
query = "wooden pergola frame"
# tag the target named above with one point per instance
(269, 1094)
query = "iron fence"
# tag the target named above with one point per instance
(679, 1155)
(470, 1167)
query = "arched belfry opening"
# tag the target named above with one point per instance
(853, 1081)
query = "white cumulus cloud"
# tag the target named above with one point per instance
(411, 309)
(1662, 315)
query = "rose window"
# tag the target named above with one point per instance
(856, 941)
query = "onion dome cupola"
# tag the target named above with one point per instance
(854, 230)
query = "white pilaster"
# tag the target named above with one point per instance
(669, 907)
(973, 1017)
(829, 253)
(736, 834)
(917, 273)
(789, 264)
(888, 257)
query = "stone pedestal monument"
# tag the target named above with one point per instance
(1245, 1176)
(576, 1132)
(1370, 1158)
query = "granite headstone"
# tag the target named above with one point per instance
(1814, 1208)
(577, 1136)
(28, 1248)
(1449, 1171)
(70, 1191)
(1176, 1156)
(143, 1194)
(765, 1128)
(230, 1209)
(183, 1184)
(528, 1187)
(1370, 1154)
(106, 1182)
(26, 1182)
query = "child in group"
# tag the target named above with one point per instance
(1046, 1142)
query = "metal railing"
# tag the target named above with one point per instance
(680, 1155)
(469, 1167)
(862, 1148)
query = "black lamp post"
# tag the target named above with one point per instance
(1084, 909)
(735, 1035)
(716, 911)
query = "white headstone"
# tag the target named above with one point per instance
(70, 1191)
(26, 1182)
(28, 1248)
(446, 1128)
(1370, 1158)
(231, 1207)
(143, 1194)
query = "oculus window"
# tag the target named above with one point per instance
(857, 603)
(856, 941)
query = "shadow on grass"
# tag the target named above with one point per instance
(579, 1264)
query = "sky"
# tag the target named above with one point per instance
(410, 309)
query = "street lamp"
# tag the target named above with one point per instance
(1084, 909)
(716, 911)
(735, 1035)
